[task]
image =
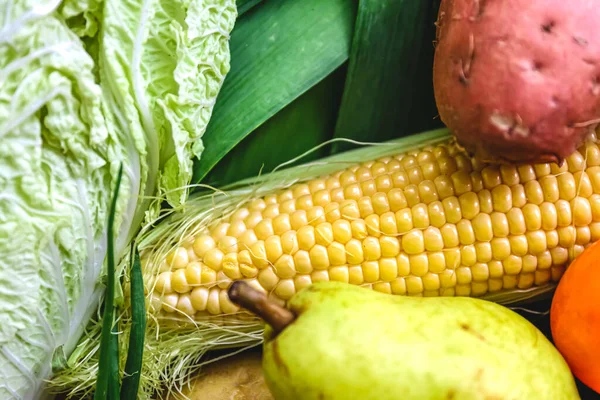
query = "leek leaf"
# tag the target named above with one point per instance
(384, 73)
(135, 351)
(277, 55)
(107, 384)
(309, 120)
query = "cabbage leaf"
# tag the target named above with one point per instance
(84, 86)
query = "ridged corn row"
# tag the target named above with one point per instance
(432, 222)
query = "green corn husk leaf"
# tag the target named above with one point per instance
(309, 120)
(388, 81)
(278, 52)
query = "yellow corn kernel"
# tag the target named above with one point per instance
(427, 192)
(500, 225)
(536, 242)
(452, 257)
(494, 285)
(404, 265)
(526, 173)
(516, 221)
(163, 283)
(202, 244)
(178, 258)
(298, 219)
(468, 255)
(482, 227)
(199, 298)
(485, 201)
(193, 273)
(461, 182)
(526, 281)
(491, 176)
(273, 248)
(567, 187)
(509, 281)
(388, 269)
(512, 265)
(469, 205)
(443, 186)
(231, 266)
(359, 229)
(437, 217)
(169, 302)
(480, 272)
(390, 246)
(542, 169)
(550, 188)
(284, 267)
(544, 260)
(332, 212)
(365, 206)
(463, 275)
(509, 174)
(404, 220)
(208, 276)
(551, 239)
(413, 242)
(518, 245)
(253, 219)
(483, 251)
(213, 305)
(452, 209)
(258, 254)
(447, 278)
(549, 216)
(466, 234)
(370, 271)
(414, 285)
(396, 199)
(419, 264)
(388, 224)
(500, 248)
(566, 236)
(519, 198)
(502, 198)
(496, 269)
(246, 239)
(319, 257)
(479, 288)
(529, 263)
(398, 286)
(324, 234)
(582, 211)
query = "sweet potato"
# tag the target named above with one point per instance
(518, 80)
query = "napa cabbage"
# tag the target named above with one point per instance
(86, 85)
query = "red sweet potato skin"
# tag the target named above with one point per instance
(518, 80)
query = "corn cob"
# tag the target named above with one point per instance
(427, 222)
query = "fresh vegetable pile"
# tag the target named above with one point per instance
(316, 156)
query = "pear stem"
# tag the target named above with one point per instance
(258, 303)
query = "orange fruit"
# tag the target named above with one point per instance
(575, 316)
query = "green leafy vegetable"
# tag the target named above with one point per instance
(86, 85)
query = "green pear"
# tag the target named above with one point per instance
(336, 341)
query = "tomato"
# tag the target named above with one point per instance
(575, 316)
